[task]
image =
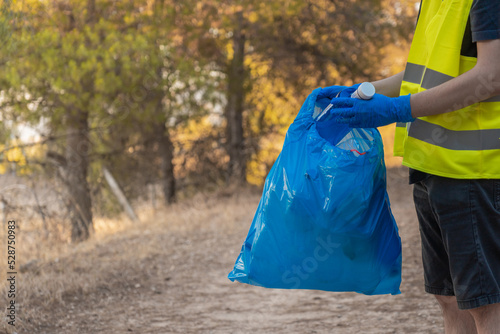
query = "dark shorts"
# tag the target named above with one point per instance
(460, 230)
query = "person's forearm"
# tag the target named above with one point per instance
(471, 87)
(478, 84)
(389, 86)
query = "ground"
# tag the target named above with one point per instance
(169, 276)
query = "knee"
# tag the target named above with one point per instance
(485, 312)
(447, 303)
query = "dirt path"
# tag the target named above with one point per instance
(179, 285)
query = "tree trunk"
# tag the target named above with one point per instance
(91, 13)
(234, 108)
(77, 161)
(166, 153)
(161, 133)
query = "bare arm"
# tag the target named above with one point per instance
(389, 86)
(480, 83)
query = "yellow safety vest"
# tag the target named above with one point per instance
(465, 143)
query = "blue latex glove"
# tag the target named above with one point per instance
(330, 92)
(347, 92)
(380, 110)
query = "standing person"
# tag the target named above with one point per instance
(447, 105)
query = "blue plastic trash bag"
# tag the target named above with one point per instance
(324, 220)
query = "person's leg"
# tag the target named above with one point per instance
(456, 321)
(487, 318)
(482, 296)
(435, 260)
(460, 229)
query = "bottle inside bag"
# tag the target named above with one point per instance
(355, 140)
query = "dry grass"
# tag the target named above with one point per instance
(116, 257)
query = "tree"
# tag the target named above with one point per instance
(68, 70)
(288, 47)
(120, 84)
(236, 74)
(171, 87)
(114, 82)
(30, 87)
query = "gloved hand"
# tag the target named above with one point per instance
(330, 92)
(347, 92)
(380, 110)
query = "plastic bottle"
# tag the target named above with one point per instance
(365, 91)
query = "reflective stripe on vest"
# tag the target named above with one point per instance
(428, 78)
(472, 140)
(401, 125)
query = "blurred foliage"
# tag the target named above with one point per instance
(294, 46)
(176, 53)
(118, 70)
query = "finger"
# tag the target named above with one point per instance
(344, 117)
(347, 92)
(342, 112)
(330, 92)
(342, 120)
(342, 102)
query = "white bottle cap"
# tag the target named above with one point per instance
(366, 91)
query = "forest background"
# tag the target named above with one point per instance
(169, 97)
(112, 111)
